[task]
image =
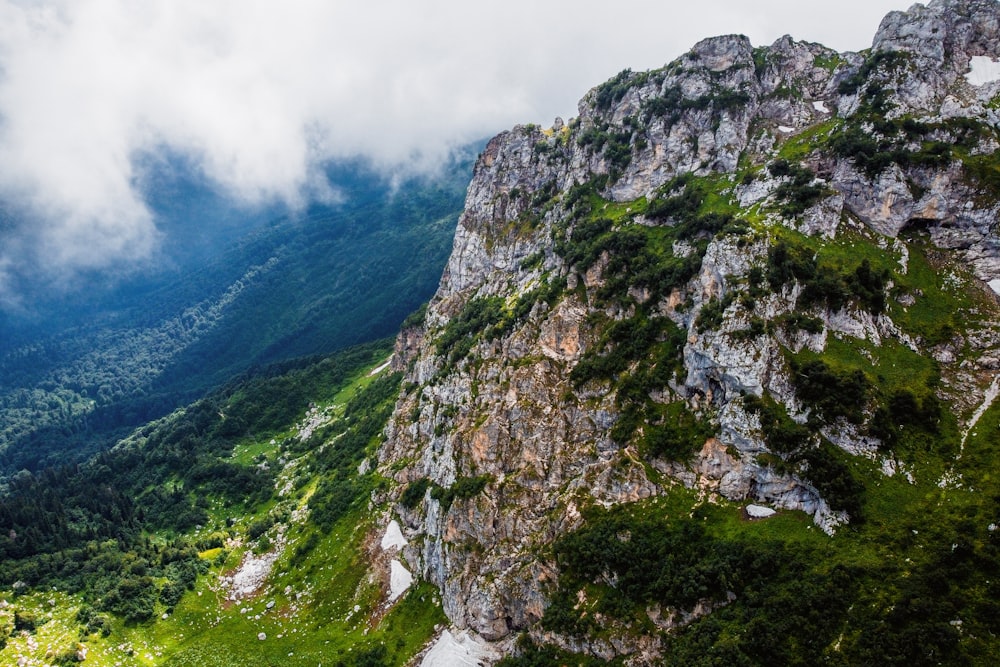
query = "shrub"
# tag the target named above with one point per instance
(821, 464)
(680, 434)
(798, 193)
(710, 315)
(880, 59)
(782, 434)
(791, 322)
(830, 392)
(134, 599)
(463, 488)
(834, 480)
(414, 493)
(647, 560)
(823, 284)
(24, 621)
(613, 90)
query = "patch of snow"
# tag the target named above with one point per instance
(759, 512)
(785, 129)
(995, 285)
(400, 579)
(991, 395)
(453, 651)
(820, 105)
(982, 70)
(376, 371)
(393, 537)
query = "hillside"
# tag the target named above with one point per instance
(709, 379)
(85, 371)
(233, 532)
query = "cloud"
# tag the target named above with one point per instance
(259, 94)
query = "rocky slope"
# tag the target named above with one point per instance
(754, 275)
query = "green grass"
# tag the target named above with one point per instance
(796, 147)
(314, 623)
(828, 62)
(55, 628)
(944, 300)
(939, 286)
(329, 606)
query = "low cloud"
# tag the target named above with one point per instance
(258, 95)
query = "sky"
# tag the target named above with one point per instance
(258, 95)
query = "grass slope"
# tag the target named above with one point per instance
(324, 600)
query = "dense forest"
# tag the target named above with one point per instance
(310, 283)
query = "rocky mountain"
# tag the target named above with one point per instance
(709, 376)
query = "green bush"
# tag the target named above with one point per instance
(488, 318)
(711, 314)
(476, 320)
(531, 655)
(904, 411)
(134, 599)
(414, 493)
(462, 489)
(798, 193)
(672, 103)
(823, 284)
(834, 480)
(822, 465)
(831, 393)
(610, 92)
(24, 621)
(884, 60)
(781, 433)
(792, 322)
(640, 561)
(677, 436)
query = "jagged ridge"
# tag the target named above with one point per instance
(745, 245)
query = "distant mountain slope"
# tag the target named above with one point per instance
(310, 283)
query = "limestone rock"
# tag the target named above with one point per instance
(509, 414)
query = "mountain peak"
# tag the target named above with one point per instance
(713, 287)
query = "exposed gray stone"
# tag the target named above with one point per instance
(510, 411)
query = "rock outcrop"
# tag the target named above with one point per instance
(792, 141)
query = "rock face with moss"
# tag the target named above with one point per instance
(756, 274)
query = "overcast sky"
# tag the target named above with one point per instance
(259, 93)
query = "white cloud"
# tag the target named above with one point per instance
(260, 93)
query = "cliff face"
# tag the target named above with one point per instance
(710, 280)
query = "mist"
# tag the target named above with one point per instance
(259, 96)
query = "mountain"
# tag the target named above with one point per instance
(709, 379)
(752, 283)
(83, 372)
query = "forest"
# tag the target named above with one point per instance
(118, 529)
(305, 284)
